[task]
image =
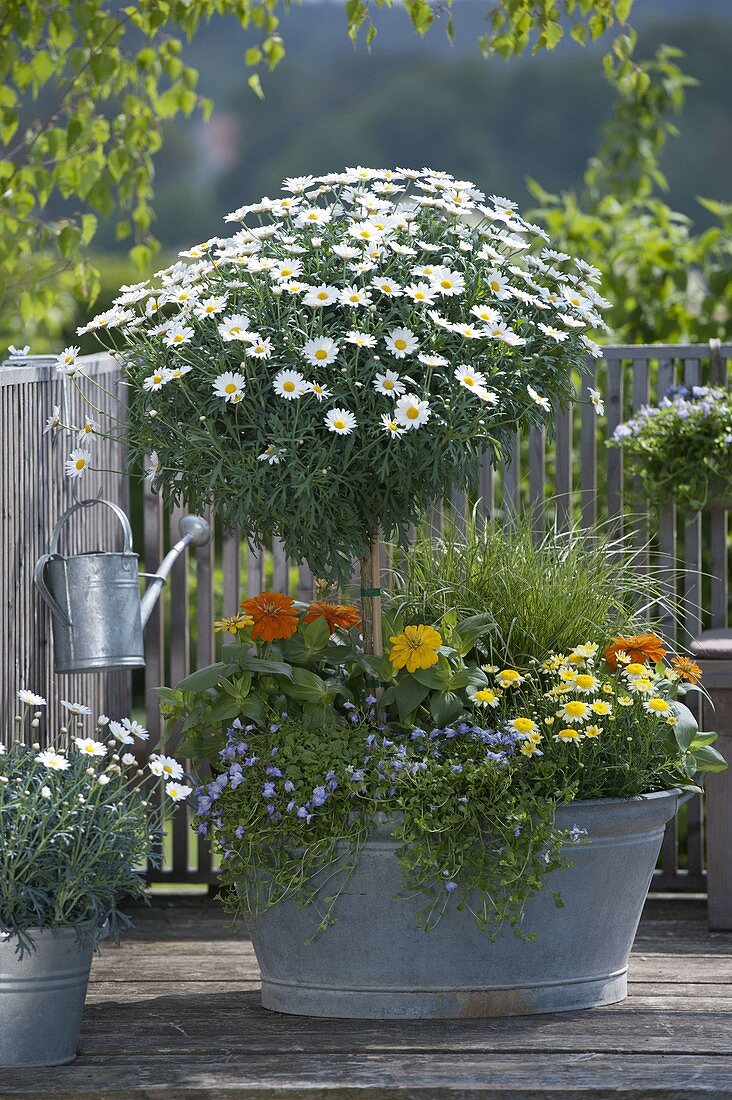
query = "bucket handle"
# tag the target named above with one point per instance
(124, 521)
(39, 578)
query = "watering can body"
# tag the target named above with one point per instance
(96, 613)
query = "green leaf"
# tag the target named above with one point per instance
(316, 633)
(446, 708)
(409, 694)
(686, 727)
(307, 686)
(235, 651)
(206, 678)
(709, 760)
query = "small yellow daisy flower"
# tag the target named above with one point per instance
(530, 748)
(585, 683)
(593, 731)
(233, 624)
(568, 736)
(599, 706)
(641, 685)
(587, 651)
(523, 726)
(635, 669)
(625, 700)
(509, 677)
(575, 711)
(658, 707)
(568, 675)
(607, 689)
(490, 669)
(487, 697)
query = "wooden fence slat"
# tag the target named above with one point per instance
(486, 486)
(692, 542)
(280, 568)
(588, 448)
(667, 554)
(718, 526)
(180, 666)
(638, 522)
(458, 514)
(564, 478)
(537, 481)
(231, 565)
(511, 476)
(614, 458)
(255, 571)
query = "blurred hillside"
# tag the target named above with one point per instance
(414, 102)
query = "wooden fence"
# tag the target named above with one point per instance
(572, 477)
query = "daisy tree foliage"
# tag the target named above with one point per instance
(341, 360)
(666, 282)
(87, 88)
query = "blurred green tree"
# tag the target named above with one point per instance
(86, 88)
(666, 282)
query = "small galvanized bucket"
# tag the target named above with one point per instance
(42, 997)
(94, 600)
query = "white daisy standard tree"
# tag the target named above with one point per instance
(340, 362)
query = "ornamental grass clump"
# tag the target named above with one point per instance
(340, 361)
(681, 449)
(539, 595)
(79, 821)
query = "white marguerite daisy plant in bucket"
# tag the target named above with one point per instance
(341, 360)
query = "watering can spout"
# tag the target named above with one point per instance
(194, 531)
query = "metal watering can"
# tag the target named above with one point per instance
(96, 611)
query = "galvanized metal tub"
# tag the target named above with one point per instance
(375, 962)
(42, 997)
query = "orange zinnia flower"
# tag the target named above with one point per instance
(686, 669)
(639, 647)
(335, 614)
(274, 616)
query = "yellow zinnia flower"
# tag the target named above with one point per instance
(233, 624)
(416, 647)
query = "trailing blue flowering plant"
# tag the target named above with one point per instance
(79, 821)
(681, 449)
(466, 764)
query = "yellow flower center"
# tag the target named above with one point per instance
(178, 338)
(339, 423)
(446, 283)
(288, 387)
(494, 284)
(468, 380)
(575, 708)
(386, 287)
(230, 387)
(412, 412)
(321, 353)
(80, 463)
(523, 725)
(388, 384)
(400, 344)
(322, 295)
(658, 704)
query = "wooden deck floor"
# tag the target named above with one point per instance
(175, 1013)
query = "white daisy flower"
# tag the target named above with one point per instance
(401, 342)
(211, 306)
(593, 349)
(54, 420)
(45, 792)
(542, 402)
(390, 426)
(320, 352)
(597, 401)
(471, 379)
(260, 347)
(448, 282)
(411, 412)
(153, 466)
(313, 215)
(229, 385)
(66, 361)
(361, 339)
(181, 371)
(289, 384)
(287, 269)
(128, 758)
(157, 380)
(272, 455)
(488, 396)
(54, 761)
(135, 728)
(346, 251)
(77, 462)
(87, 746)
(340, 421)
(178, 334)
(388, 287)
(320, 392)
(121, 734)
(167, 765)
(497, 284)
(486, 314)
(177, 791)
(354, 296)
(468, 331)
(298, 184)
(319, 296)
(29, 699)
(367, 232)
(234, 328)
(421, 292)
(554, 333)
(76, 709)
(87, 431)
(389, 383)
(432, 360)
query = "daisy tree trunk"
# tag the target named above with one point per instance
(373, 641)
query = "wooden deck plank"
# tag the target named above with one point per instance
(174, 1013)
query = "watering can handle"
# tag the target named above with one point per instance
(89, 504)
(39, 578)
